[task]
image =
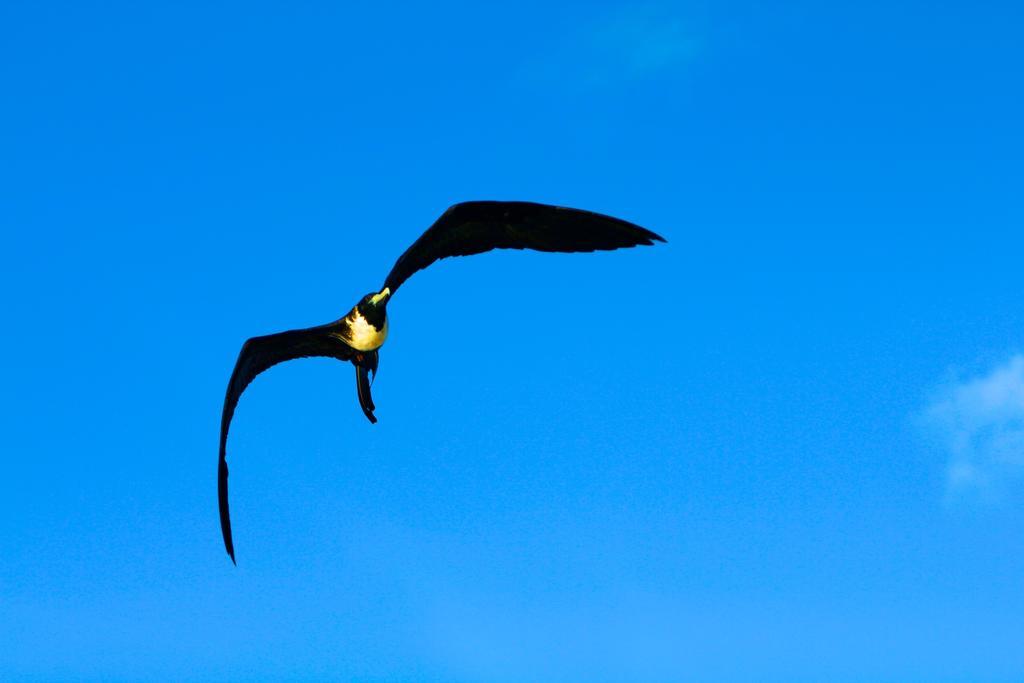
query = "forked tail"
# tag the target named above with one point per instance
(363, 370)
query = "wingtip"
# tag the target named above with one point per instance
(653, 237)
(229, 546)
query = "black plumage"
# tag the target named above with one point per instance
(464, 229)
(257, 355)
(475, 227)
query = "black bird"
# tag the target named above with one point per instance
(464, 229)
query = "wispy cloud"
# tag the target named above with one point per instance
(981, 423)
(637, 43)
(633, 43)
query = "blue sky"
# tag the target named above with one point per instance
(786, 446)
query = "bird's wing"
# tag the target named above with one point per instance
(476, 227)
(259, 354)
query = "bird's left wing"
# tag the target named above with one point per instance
(475, 227)
(259, 354)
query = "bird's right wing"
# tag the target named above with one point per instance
(476, 227)
(259, 354)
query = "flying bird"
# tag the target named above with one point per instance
(464, 229)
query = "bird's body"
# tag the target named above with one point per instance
(465, 229)
(365, 328)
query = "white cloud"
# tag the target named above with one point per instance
(981, 423)
(636, 42)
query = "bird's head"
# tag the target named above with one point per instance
(377, 299)
(372, 306)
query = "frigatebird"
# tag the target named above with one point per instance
(464, 229)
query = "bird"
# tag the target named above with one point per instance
(467, 228)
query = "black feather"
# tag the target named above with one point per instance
(363, 390)
(475, 227)
(257, 355)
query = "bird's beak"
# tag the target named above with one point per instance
(381, 298)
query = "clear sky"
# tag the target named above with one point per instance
(786, 446)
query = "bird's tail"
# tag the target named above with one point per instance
(363, 388)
